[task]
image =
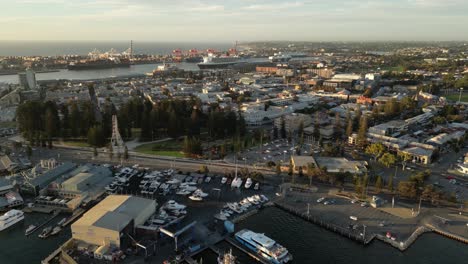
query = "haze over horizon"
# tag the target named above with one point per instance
(230, 20)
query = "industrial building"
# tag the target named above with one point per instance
(112, 222)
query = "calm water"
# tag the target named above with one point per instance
(53, 48)
(311, 244)
(97, 74)
(307, 242)
(15, 248)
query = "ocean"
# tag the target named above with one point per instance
(53, 48)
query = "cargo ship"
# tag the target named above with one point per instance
(99, 64)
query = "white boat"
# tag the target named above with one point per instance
(236, 183)
(29, 229)
(264, 246)
(45, 232)
(56, 230)
(195, 198)
(10, 218)
(220, 216)
(173, 205)
(183, 192)
(280, 57)
(248, 183)
(173, 181)
(200, 193)
(208, 179)
(61, 222)
(223, 180)
(227, 258)
(257, 186)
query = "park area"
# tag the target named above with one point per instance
(171, 148)
(455, 97)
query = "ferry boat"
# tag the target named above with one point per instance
(264, 246)
(10, 218)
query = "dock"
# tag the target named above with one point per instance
(448, 234)
(235, 244)
(55, 214)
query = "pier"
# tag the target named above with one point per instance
(55, 214)
(332, 227)
(448, 234)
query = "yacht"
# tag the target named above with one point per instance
(10, 218)
(248, 183)
(264, 246)
(257, 186)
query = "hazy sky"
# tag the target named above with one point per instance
(230, 20)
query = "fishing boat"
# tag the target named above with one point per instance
(195, 198)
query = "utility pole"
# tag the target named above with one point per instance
(459, 97)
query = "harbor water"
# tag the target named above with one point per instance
(309, 243)
(97, 74)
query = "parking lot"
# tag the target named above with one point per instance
(277, 150)
(354, 217)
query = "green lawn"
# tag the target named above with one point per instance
(76, 143)
(454, 97)
(399, 68)
(7, 124)
(170, 148)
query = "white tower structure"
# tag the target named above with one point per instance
(118, 145)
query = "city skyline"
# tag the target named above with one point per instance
(227, 21)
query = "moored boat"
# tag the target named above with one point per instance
(264, 246)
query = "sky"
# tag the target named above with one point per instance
(231, 20)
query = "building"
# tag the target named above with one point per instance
(112, 221)
(293, 121)
(391, 128)
(27, 79)
(39, 182)
(332, 164)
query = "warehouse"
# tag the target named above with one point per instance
(110, 222)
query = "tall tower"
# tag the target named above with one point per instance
(118, 145)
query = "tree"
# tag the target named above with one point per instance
(407, 189)
(387, 159)
(349, 128)
(378, 184)
(375, 149)
(362, 132)
(404, 157)
(283, 128)
(125, 153)
(96, 136)
(390, 183)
